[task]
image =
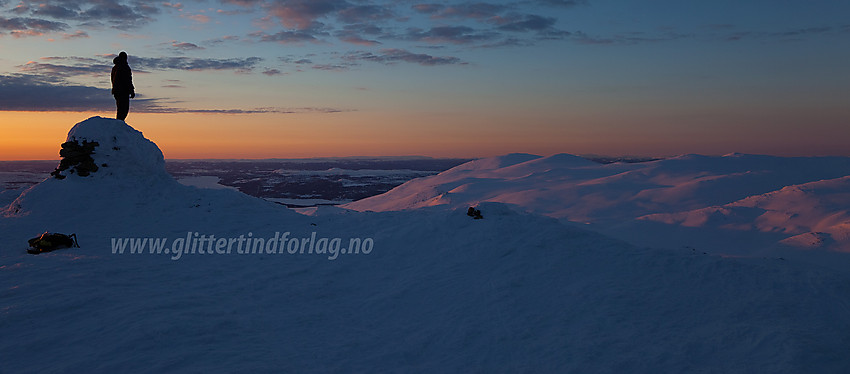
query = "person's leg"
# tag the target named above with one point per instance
(123, 104)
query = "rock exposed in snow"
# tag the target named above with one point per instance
(121, 151)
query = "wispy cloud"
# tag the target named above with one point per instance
(66, 68)
(560, 3)
(185, 46)
(79, 34)
(286, 37)
(450, 34)
(365, 14)
(295, 60)
(222, 40)
(199, 18)
(303, 14)
(525, 22)
(333, 67)
(390, 56)
(629, 38)
(272, 72)
(361, 34)
(71, 66)
(195, 64)
(177, 6)
(27, 26)
(789, 35)
(479, 11)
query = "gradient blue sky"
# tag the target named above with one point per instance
(266, 78)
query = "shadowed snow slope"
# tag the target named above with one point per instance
(438, 291)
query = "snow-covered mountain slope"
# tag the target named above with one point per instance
(609, 198)
(810, 215)
(570, 187)
(438, 291)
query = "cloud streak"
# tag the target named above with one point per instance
(35, 93)
(185, 46)
(26, 26)
(286, 37)
(24, 92)
(66, 67)
(478, 11)
(195, 64)
(392, 55)
(450, 34)
(65, 71)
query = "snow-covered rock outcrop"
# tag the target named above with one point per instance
(129, 183)
(120, 151)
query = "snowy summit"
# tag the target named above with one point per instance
(122, 151)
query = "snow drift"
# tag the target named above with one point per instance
(440, 292)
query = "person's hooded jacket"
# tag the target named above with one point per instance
(122, 77)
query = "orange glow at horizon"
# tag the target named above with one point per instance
(37, 136)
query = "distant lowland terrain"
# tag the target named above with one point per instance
(291, 182)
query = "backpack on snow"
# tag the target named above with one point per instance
(48, 242)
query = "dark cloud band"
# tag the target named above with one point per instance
(34, 93)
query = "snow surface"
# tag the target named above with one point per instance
(440, 292)
(658, 203)
(812, 214)
(7, 196)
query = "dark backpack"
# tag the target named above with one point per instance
(48, 242)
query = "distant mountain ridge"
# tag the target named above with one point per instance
(613, 195)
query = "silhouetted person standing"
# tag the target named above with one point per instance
(122, 85)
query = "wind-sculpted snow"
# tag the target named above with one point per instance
(810, 215)
(438, 292)
(611, 198)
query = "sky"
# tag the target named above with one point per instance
(297, 78)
